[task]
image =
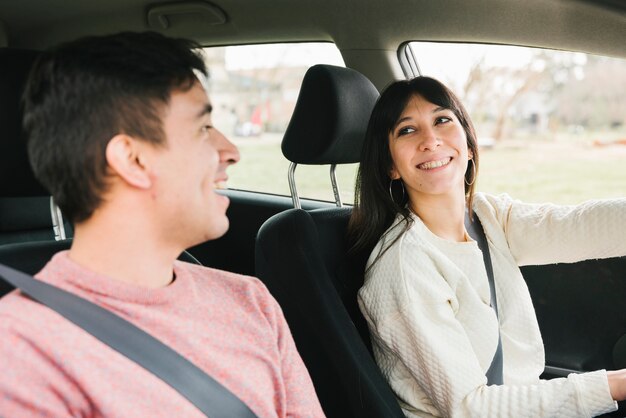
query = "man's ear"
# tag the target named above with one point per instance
(124, 156)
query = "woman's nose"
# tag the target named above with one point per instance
(428, 141)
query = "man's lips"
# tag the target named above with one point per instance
(430, 165)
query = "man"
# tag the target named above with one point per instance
(120, 132)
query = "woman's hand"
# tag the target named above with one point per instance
(617, 384)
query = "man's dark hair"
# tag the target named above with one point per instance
(83, 93)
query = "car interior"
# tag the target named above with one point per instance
(297, 245)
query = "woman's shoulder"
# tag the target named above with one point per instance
(495, 210)
(492, 202)
(404, 234)
(402, 246)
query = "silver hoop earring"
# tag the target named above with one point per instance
(473, 173)
(391, 192)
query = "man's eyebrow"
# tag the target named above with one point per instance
(208, 108)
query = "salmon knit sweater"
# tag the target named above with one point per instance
(226, 324)
(427, 303)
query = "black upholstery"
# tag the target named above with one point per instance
(302, 258)
(30, 257)
(25, 213)
(330, 118)
(16, 176)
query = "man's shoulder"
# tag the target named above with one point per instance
(203, 272)
(22, 316)
(13, 303)
(232, 283)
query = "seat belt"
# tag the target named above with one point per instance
(208, 395)
(475, 230)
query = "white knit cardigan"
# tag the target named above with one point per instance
(426, 301)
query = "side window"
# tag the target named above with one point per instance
(551, 124)
(254, 89)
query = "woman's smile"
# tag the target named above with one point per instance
(433, 164)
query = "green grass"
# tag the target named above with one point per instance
(561, 172)
(564, 172)
(263, 168)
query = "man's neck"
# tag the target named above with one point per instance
(123, 250)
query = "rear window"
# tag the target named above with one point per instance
(254, 89)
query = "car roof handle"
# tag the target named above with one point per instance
(160, 15)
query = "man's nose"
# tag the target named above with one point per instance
(229, 153)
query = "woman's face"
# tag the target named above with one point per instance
(429, 151)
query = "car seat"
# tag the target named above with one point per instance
(27, 212)
(302, 258)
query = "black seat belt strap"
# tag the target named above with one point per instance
(475, 230)
(208, 395)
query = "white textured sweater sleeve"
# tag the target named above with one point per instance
(425, 353)
(546, 233)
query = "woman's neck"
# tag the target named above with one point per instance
(444, 216)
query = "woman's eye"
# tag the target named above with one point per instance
(405, 131)
(442, 119)
(206, 128)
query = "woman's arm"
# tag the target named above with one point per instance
(546, 233)
(424, 350)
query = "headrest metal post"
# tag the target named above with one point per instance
(333, 181)
(57, 221)
(291, 177)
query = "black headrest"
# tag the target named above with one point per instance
(16, 176)
(330, 119)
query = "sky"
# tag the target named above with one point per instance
(447, 61)
(293, 55)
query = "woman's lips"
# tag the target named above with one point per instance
(429, 165)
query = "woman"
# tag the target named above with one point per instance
(426, 295)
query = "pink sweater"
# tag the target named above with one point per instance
(226, 324)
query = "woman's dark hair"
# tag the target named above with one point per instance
(375, 208)
(83, 93)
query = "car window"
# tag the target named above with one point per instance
(255, 88)
(551, 124)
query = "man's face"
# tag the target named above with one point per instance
(189, 168)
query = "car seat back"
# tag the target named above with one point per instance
(302, 256)
(27, 212)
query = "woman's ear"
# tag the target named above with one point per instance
(393, 174)
(124, 157)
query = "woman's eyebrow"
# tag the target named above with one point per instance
(435, 110)
(401, 120)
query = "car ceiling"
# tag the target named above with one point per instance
(597, 27)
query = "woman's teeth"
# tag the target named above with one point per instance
(434, 164)
(220, 185)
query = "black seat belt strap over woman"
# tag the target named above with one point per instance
(475, 230)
